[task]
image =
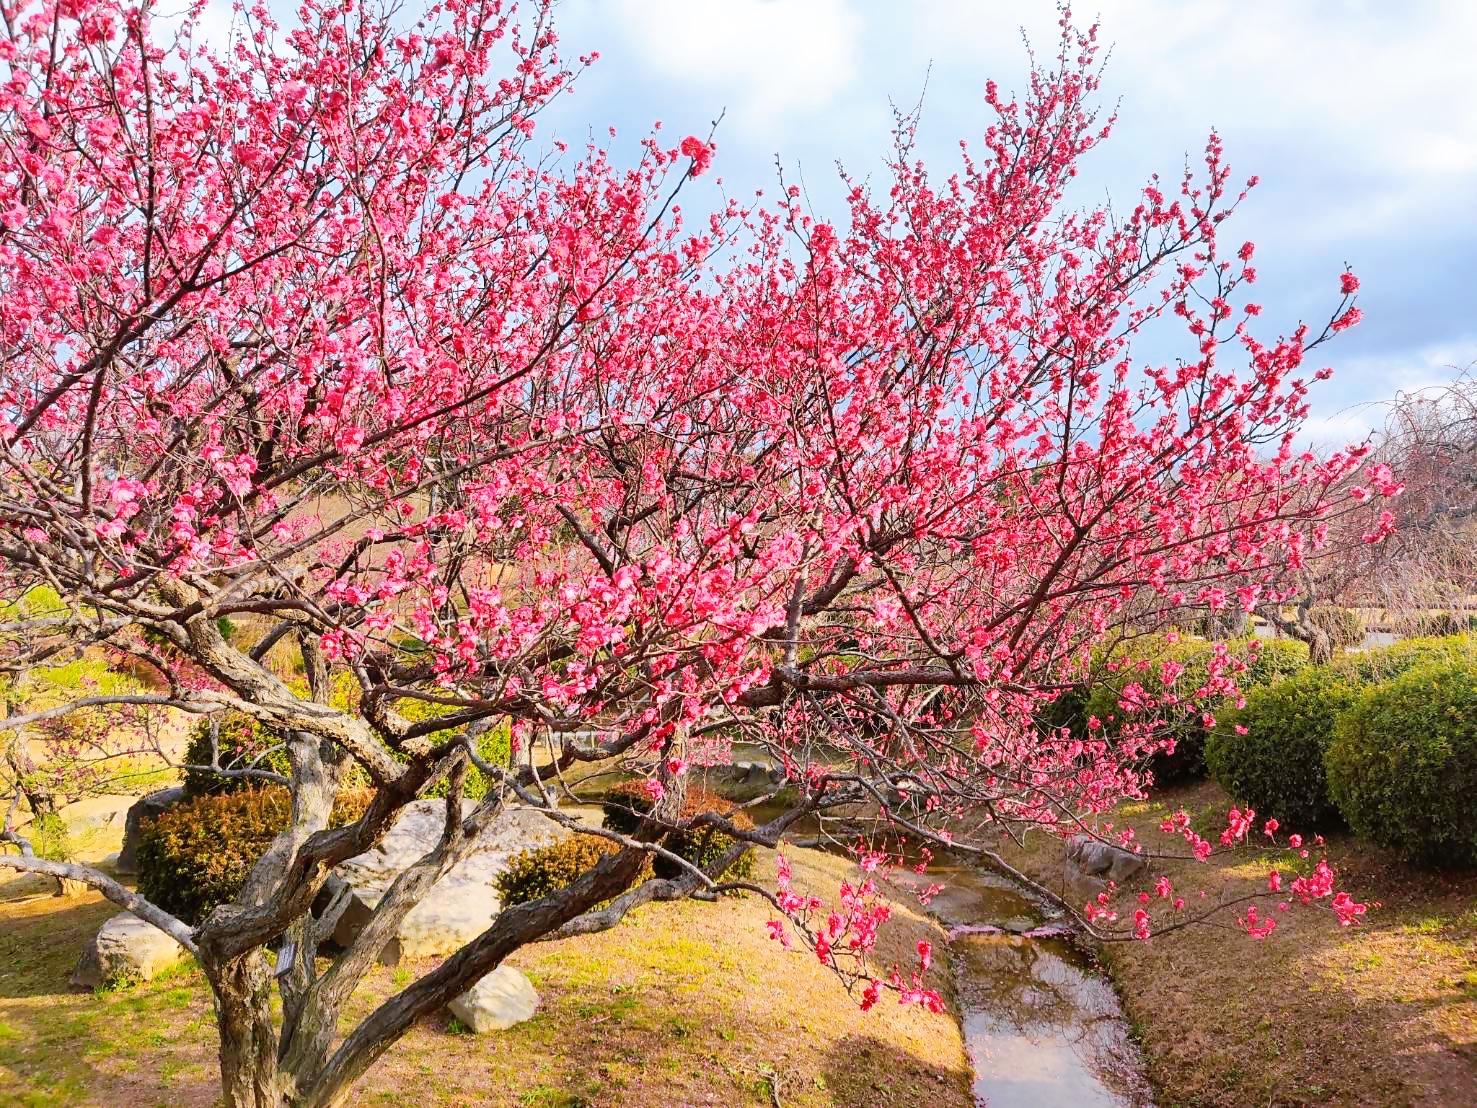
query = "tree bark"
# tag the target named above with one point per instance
(248, 1039)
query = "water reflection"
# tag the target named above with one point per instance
(1041, 1024)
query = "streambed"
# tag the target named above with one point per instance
(1042, 1024)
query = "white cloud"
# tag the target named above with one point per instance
(1430, 367)
(763, 60)
(1382, 92)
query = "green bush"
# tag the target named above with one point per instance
(702, 846)
(1390, 661)
(242, 743)
(198, 854)
(1344, 627)
(51, 838)
(533, 874)
(1276, 767)
(1269, 661)
(1274, 660)
(495, 745)
(1402, 766)
(1068, 710)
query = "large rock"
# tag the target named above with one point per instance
(462, 904)
(501, 999)
(126, 950)
(1101, 860)
(146, 808)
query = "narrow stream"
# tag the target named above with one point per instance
(1042, 1025)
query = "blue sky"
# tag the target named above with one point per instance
(1359, 118)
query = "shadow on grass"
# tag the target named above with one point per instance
(41, 938)
(861, 1070)
(150, 1044)
(1384, 1012)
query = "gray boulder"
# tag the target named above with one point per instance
(501, 999)
(1092, 858)
(124, 951)
(146, 808)
(462, 904)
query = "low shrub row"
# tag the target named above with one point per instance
(537, 873)
(1385, 740)
(198, 854)
(703, 846)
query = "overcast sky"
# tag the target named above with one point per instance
(1360, 118)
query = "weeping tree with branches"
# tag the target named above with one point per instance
(318, 333)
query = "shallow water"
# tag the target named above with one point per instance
(1041, 1024)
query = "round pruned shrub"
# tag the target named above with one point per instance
(1270, 661)
(533, 874)
(1068, 710)
(703, 846)
(1371, 666)
(1269, 754)
(197, 855)
(1402, 767)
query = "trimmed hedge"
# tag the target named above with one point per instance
(1269, 661)
(1276, 767)
(1397, 658)
(533, 874)
(495, 745)
(1402, 766)
(198, 854)
(628, 803)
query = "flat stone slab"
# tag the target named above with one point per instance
(462, 904)
(499, 1001)
(126, 950)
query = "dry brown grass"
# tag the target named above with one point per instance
(1381, 1014)
(682, 1004)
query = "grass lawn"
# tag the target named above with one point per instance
(682, 1004)
(1384, 1013)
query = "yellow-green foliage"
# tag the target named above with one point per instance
(1395, 659)
(495, 745)
(533, 874)
(198, 854)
